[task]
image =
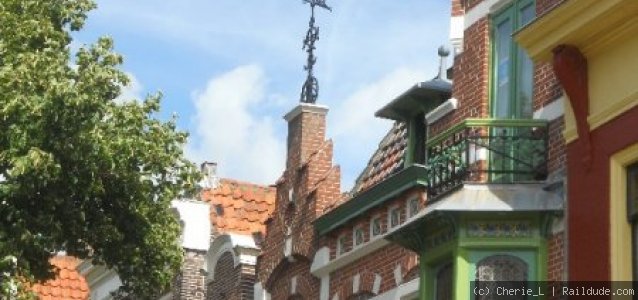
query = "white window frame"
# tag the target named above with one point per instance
(372, 235)
(354, 236)
(393, 208)
(341, 249)
(408, 213)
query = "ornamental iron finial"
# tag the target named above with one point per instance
(310, 89)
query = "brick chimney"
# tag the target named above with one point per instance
(306, 132)
(210, 179)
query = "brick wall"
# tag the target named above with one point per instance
(190, 281)
(470, 78)
(457, 8)
(381, 262)
(231, 282)
(227, 277)
(556, 257)
(556, 146)
(315, 182)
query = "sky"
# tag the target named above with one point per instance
(230, 70)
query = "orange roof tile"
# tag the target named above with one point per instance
(68, 284)
(244, 207)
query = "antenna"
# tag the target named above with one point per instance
(310, 88)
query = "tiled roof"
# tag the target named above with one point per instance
(239, 207)
(386, 160)
(68, 284)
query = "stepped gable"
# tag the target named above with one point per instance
(68, 284)
(386, 160)
(239, 207)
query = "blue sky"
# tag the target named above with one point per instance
(231, 69)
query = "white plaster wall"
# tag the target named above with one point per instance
(195, 216)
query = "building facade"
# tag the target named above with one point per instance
(592, 46)
(222, 232)
(469, 184)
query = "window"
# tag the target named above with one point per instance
(413, 207)
(512, 69)
(375, 226)
(358, 236)
(443, 284)
(341, 245)
(632, 211)
(500, 268)
(394, 217)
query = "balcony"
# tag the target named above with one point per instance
(486, 151)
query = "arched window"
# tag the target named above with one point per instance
(500, 268)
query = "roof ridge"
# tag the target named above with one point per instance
(245, 183)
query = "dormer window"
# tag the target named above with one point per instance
(341, 245)
(358, 236)
(375, 226)
(394, 217)
(412, 106)
(413, 207)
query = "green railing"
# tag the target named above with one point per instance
(486, 150)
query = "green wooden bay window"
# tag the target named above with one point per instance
(512, 70)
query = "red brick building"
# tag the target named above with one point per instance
(468, 184)
(308, 187)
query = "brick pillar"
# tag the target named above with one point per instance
(306, 132)
(190, 283)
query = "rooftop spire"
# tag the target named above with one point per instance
(310, 89)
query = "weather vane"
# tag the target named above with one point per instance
(310, 89)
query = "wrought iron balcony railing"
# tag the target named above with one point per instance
(486, 151)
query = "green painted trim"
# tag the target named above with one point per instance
(486, 122)
(513, 12)
(430, 262)
(462, 290)
(385, 190)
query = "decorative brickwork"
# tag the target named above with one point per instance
(383, 263)
(231, 282)
(308, 187)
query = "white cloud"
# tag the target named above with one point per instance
(356, 130)
(231, 130)
(132, 91)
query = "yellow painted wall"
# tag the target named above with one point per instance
(613, 80)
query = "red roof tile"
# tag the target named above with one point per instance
(243, 207)
(68, 284)
(386, 160)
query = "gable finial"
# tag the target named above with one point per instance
(310, 88)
